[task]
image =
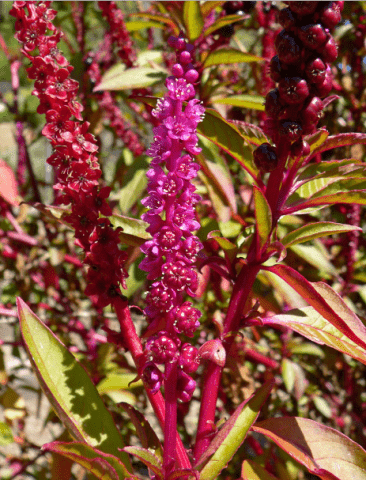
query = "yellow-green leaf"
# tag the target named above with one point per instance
(192, 18)
(315, 230)
(229, 56)
(263, 215)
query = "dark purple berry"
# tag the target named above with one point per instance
(303, 8)
(313, 36)
(330, 15)
(273, 104)
(288, 49)
(290, 129)
(293, 90)
(315, 71)
(312, 112)
(329, 51)
(226, 31)
(276, 69)
(323, 89)
(265, 157)
(286, 19)
(300, 147)
(232, 7)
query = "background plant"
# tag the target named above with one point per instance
(234, 43)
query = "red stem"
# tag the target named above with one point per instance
(170, 428)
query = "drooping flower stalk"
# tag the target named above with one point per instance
(172, 252)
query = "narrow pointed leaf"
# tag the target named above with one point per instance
(221, 22)
(104, 466)
(331, 168)
(357, 197)
(252, 134)
(8, 184)
(252, 471)
(229, 56)
(208, 6)
(232, 435)
(308, 322)
(121, 78)
(134, 230)
(6, 435)
(315, 230)
(263, 215)
(157, 18)
(340, 140)
(255, 102)
(144, 431)
(226, 136)
(192, 18)
(68, 387)
(326, 302)
(186, 473)
(146, 457)
(322, 450)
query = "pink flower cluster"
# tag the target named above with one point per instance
(172, 252)
(75, 149)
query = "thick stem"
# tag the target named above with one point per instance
(133, 343)
(170, 428)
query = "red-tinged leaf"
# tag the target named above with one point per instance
(208, 6)
(192, 18)
(315, 230)
(252, 471)
(317, 139)
(221, 22)
(263, 216)
(8, 184)
(148, 458)
(251, 133)
(255, 102)
(158, 18)
(185, 473)
(134, 230)
(357, 197)
(229, 56)
(232, 435)
(340, 140)
(226, 136)
(144, 431)
(322, 450)
(104, 466)
(68, 387)
(325, 301)
(119, 78)
(332, 168)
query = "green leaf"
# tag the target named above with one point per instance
(208, 6)
(229, 56)
(326, 302)
(68, 387)
(148, 458)
(222, 22)
(325, 452)
(263, 215)
(288, 374)
(315, 230)
(255, 102)
(340, 140)
(118, 381)
(6, 435)
(226, 136)
(193, 20)
(308, 322)
(104, 466)
(252, 471)
(164, 21)
(232, 435)
(306, 348)
(120, 78)
(134, 184)
(136, 25)
(322, 406)
(144, 431)
(251, 133)
(134, 230)
(332, 168)
(357, 197)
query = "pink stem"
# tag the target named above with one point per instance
(170, 427)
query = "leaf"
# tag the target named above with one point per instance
(322, 406)
(232, 435)
(136, 25)
(134, 230)
(315, 230)
(226, 135)
(222, 22)
(308, 322)
(252, 471)
(340, 140)
(157, 18)
(317, 139)
(148, 458)
(255, 102)
(8, 184)
(118, 381)
(144, 431)
(208, 6)
(263, 216)
(357, 197)
(288, 374)
(120, 78)
(332, 168)
(322, 450)
(104, 466)
(326, 302)
(251, 133)
(6, 435)
(134, 184)
(68, 387)
(192, 18)
(229, 56)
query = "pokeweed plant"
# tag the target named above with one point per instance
(285, 176)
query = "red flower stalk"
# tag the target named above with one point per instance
(74, 156)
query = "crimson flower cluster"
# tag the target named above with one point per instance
(173, 249)
(74, 156)
(305, 48)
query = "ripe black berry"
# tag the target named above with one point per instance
(300, 147)
(276, 69)
(303, 8)
(315, 71)
(313, 36)
(265, 157)
(293, 90)
(273, 104)
(290, 129)
(286, 18)
(288, 49)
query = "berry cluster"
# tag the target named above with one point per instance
(171, 253)
(74, 156)
(305, 48)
